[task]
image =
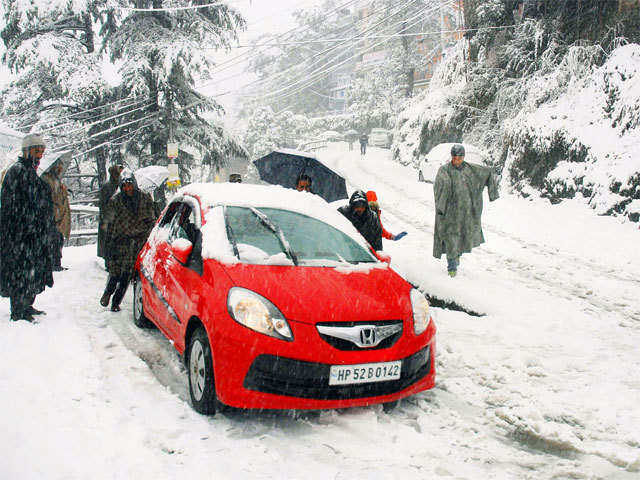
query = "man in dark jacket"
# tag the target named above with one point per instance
(364, 219)
(130, 217)
(458, 196)
(26, 224)
(106, 192)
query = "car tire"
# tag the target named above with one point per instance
(202, 388)
(420, 176)
(389, 406)
(139, 318)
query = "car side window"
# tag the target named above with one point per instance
(183, 224)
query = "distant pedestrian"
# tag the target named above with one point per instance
(364, 140)
(458, 191)
(106, 192)
(26, 223)
(52, 175)
(130, 219)
(372, 198)
(364, 219)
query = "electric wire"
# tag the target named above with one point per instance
(83, 112)
(322, 71)
(328, 49)
(299, 29)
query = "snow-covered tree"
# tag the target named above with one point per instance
(263, 132)
(162, 54)
(51, 48)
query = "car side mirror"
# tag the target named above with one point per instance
(181, 249)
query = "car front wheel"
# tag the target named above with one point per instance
(201, 381)
(139, 318)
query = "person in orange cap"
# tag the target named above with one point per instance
(372, 198)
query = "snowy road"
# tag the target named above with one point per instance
(544, 385)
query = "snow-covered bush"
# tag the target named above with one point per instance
(584, 140)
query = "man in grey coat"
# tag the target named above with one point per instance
(458, 196)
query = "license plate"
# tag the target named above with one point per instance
(364, 373)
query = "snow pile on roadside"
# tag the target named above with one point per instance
(585, 141)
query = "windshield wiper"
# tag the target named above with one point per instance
(286, 248)
(230, 234)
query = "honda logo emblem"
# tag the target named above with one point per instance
(368, 336)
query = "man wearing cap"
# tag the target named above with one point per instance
(458, 197)
(364, 219)
(52, 175)
(130, 219)
(26, 223)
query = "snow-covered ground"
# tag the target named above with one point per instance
(544, 385)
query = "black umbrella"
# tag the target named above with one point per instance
(282, 167)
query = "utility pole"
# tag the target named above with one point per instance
(442, 37)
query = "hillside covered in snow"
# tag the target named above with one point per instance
(558, 119)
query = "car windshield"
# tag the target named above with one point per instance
(259, 235)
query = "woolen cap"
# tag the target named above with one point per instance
(457, 150)
(33, 140)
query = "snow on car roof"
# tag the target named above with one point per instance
(271, 196)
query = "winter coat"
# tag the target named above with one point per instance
(364, 139)
(458, 198)
(61, 208)
(130, 219)
(26, 224)
(106, 192)
(367, 224)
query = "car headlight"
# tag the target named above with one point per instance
(420, 307)
(257, 313)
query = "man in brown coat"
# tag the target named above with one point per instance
(52, 175)
(130, 217)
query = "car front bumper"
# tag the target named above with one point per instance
(272, 374)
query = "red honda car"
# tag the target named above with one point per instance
(276, 302)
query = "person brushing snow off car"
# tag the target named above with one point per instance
(458, 197)
(364, 219)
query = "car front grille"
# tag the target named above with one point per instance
(347, 345)
(295, 378)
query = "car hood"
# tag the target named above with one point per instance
(325, 294)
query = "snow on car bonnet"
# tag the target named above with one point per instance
(215, 241)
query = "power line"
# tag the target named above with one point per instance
(320, 72)
(299, 29)
(110, 142)
(82, 112)
(395, 35)
(174, 9)
(335, 47)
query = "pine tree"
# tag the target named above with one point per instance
(59, 86)
(162, 54)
